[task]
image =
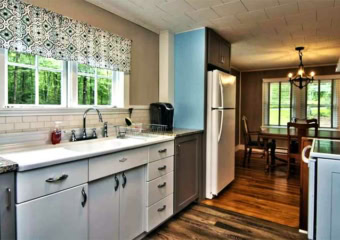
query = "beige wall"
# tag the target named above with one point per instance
(145, 46)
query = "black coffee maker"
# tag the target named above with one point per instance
(163, 114)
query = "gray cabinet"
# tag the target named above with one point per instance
(117, 206)
(62, 215)
(7, 206)
(328, 199)
(188, 153)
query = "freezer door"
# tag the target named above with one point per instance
(223, 90)
(223, 149)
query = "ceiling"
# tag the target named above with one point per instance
(263, 33)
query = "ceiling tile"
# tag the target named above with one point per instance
(226, 21)
(290, 29)
(327, 13)
(176, 7)
(203, 14)
(276, 22)
(252, 5)
(230, 8)
(253, 16)
(307, 5)
(198, 4)
(282, 10)
(306, 17)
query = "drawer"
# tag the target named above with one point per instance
(160, 168)
(159, 212)
(160, 188)
(161, 150)
(107, 165)
(40, 182)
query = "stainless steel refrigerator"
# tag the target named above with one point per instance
(220, 159)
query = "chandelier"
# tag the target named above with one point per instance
(301, 80)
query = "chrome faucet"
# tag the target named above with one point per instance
(84, 119)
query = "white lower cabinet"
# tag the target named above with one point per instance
(117, 206)
(62, 215)
(104, 208)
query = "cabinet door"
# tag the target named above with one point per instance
(132, 203)
(63, 215)
(214, 57)
(225, 54)
(104, 209)
(328, 199)
(7, 206)
(187, 159)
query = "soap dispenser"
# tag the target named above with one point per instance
(56, 134)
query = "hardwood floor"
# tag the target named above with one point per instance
(207, 222)
(266, 196)
(255, 206)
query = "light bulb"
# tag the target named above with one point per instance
(312, 74)
(290, 75)
(301, 72)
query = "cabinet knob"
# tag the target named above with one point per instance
(162, 185)
(124, 180)
(57, 179)
(162, 168)
(83, 203)
(162, 150)
(117, 183)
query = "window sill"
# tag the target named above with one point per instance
(63, 111)
(322, 128)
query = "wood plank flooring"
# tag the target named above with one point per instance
(254, 193)
(207, 222)
(255, 206)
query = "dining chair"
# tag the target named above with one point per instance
(295, 133)
(250, 144)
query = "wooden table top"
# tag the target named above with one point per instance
(281, 133)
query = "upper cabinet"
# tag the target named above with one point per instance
(219, 51)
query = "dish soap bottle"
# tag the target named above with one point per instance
(56, 134)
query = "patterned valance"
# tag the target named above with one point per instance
(34, 30)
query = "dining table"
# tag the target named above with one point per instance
(268, 133)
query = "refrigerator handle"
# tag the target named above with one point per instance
(221, 126)
(221, 92)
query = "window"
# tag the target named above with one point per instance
(98, 86)
(320, 102)
(34, 80)
(279, 103)
(39, 82)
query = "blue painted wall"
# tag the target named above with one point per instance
(189, 79)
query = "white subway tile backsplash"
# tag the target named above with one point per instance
(13, 119)
(20, 126)
(2, 119)
(6, 126)
(29, 119)
(44, 118)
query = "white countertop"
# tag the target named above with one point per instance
(47, 155)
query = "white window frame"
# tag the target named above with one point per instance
(69, 88)
(4, 82)
(119, 88)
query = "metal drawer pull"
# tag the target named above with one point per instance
(162, 150)
(162, 168)
(162, 185)
(83, 203)
(161, 209)
(9, 198)
(123, 160)
(58, 179)
(124, 180)
(117, 184)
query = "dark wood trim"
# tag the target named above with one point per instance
(279, 103)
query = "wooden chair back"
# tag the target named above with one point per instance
(300, 130)
(305, 121)
(247, 137)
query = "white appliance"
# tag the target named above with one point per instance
(220, 164)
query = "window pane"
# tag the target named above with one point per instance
(312, 100)
(83, 68)
(50, 63)
(274, 104)
(325, 103)
(104, 72)
(86, 90)
(104, 91)
(285, 103)
(21, 85)
(49, 87)
(21, 58)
